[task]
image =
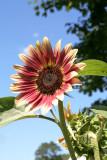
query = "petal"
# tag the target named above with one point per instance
(18, 90)
(34, 54)
(60, 97)
(66, 49)
(49, 50)
(47, 104)
(68, 106)
(60, 140)
(64, 88)
(45, 109)
(57, 50)
(34, 105)
(78, 67)
(15, 77)
(22, 78)
(26, 97)
(22, 84)
(70, 75)
(29, 61)
(47, 45)
(39, 48)
(68, 66)
(75, 81)
(64, 145)
(55, 102)
(38, 103)
(24, 70)
(24, 88)
(70, 55)
(66, 115)
(69, 88)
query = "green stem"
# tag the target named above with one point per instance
(101, 129)
(65, 131)
(39, 116)
(54, 116)
(94, 143)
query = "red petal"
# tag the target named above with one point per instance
(23, 98)
(22, 78)
(34, 105)
(71, 54)
(64, 88)
(68, 66)
(41, 51)
(24, 70)
(66, 49)
(70, 75)
(47, 105)
(49, 50)
(75, 81)
(29, 61)
(34, 54)
(57, 50)
(78, 67)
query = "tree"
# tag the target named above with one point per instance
(49, 151)
(91, 29)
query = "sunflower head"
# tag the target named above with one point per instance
(45, 75)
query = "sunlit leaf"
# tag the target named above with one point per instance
(100, 110)
(9, 113)
(94, 67)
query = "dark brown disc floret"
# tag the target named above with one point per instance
(49, 80)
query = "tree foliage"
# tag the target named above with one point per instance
(49, 151)
(91, 29)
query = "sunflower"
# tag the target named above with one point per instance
(46, 75)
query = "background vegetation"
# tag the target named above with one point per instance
(91, 29)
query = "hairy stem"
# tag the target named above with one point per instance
(65, 131)
(94, 143)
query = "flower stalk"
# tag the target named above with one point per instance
(55, 116)
(65, 130)
(39, 116)
(94, 143)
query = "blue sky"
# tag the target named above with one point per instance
(19, 27)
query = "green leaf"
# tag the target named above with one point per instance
(9, 113)
(7, 103)
(36, 7)
(94, 67)
(84, 128)
(105, 158)
(37, 13)
(100, 110)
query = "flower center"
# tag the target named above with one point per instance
(49, 80)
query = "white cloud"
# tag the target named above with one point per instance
(35, 34)
(25, 50)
